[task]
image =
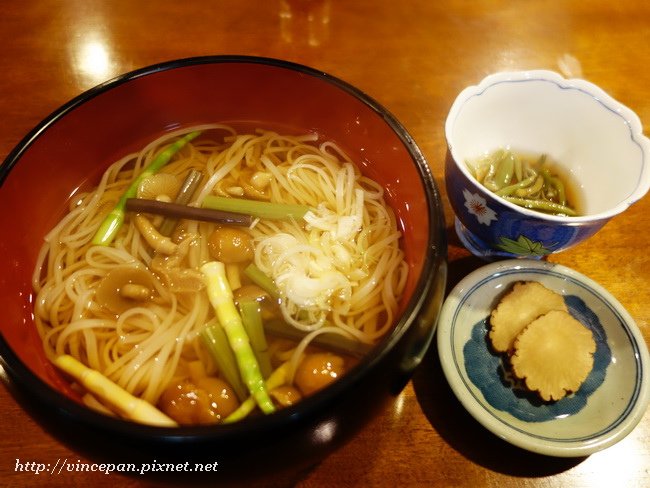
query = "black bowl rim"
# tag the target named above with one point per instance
(434, 263)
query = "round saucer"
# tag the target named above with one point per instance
(608, 405)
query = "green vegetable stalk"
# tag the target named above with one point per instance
(114, 220)
(184, 196)
(510, 189)
(256, 208)
(543, 206)
(251, 316)
(262, 280)
(276, 378)
(504, 171)
(522, 182)
(221, 298)
(216, 342)
(332, 342)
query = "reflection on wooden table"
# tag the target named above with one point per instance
(413, 57)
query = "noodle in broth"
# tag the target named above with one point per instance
(339, 271)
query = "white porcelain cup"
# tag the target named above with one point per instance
(598, 141)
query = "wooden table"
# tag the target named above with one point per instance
(413, 57)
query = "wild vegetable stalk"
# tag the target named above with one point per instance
(504, 171)
(191, 183)
(262, 280)
(256, 208)
(216, 342)
(276, 378)
(114, 220)
(121, 400)
(251, 316)
(335, 343)
(527, 184)
(510, 189)
(221, 298)
(543, 205)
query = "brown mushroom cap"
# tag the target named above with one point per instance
(318, 370)
(163, 185)
(179, 278)
(230, 245)
(111, 290)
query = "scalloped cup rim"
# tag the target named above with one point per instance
(630, 117)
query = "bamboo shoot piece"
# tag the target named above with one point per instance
(221, 298)
(553, 355)
(122, 401)
(523, 304)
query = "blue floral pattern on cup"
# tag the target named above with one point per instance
(477, 206)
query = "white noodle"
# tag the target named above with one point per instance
(346, 254)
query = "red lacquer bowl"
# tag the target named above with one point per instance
(71, 148)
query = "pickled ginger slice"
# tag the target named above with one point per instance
(523, 304)
(553, 355)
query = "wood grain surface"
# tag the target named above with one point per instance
(412, 56)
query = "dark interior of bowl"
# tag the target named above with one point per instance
(74, 145)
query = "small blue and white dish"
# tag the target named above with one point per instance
(608, 405)
(599, 143)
